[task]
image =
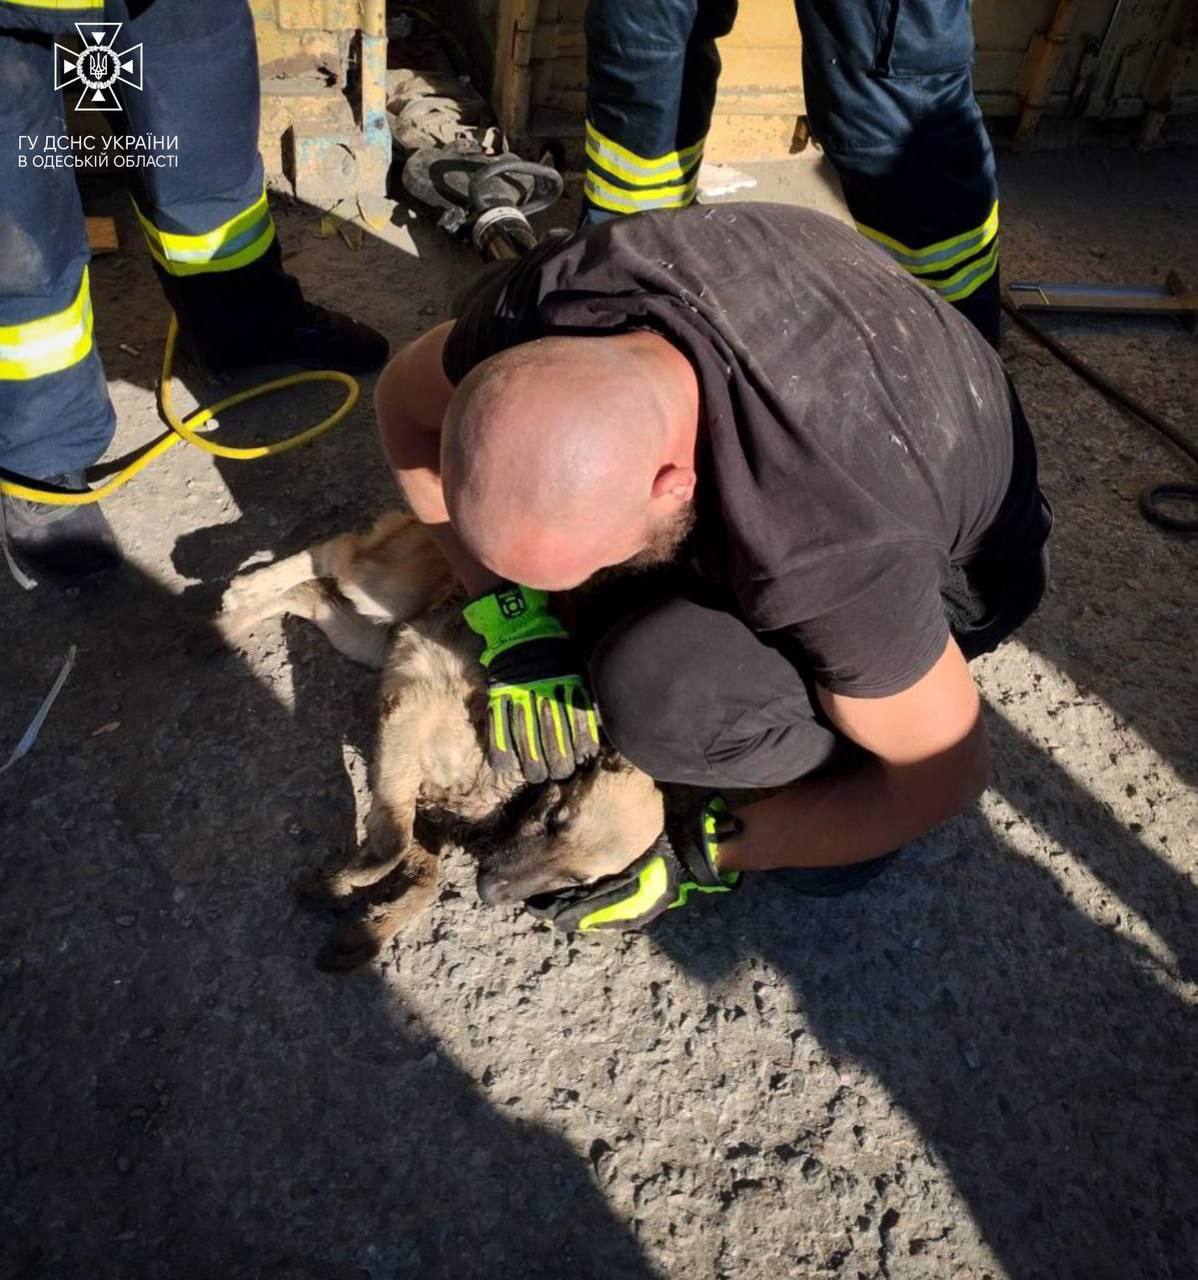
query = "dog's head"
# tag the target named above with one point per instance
(559, 834)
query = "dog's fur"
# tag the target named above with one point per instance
(430, 756)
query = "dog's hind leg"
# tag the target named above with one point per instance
(253, 597)
(391, 574)
(395, 572)
(360, 639)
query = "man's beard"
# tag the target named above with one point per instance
(665, 542)
(665, 545)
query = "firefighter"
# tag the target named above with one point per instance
(889, 98)
(208, 228)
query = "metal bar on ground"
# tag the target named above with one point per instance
(1170, 298)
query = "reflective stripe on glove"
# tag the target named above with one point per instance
(542, 722)
(657, 881)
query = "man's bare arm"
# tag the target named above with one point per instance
(410, 402)
(928, 761)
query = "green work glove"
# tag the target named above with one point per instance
(663, 878)
(542, 721)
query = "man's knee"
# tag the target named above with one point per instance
(692, 696)
(645, 701)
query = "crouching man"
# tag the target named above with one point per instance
(829, 488)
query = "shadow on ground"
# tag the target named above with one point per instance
(185, 1095)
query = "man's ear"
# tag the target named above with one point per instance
(674, 482)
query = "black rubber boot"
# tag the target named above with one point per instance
(316, 338)
(64, 545)
(258, 315)
(308, 335)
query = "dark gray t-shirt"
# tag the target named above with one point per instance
(859, 437)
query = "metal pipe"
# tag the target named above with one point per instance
(503, 233)
(1151, 498)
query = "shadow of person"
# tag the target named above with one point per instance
(1074, 824)
(1039, 1045)
(187, 1096)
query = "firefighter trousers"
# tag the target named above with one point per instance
(189, 148)
(889, 99)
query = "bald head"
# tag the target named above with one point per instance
(568, 455)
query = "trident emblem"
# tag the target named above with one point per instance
(99, 68)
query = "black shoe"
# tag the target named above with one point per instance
(831, 882)
(311, 336)
(324, 339)
(234, 320)
(68, 545)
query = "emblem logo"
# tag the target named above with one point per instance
(99, 68)
(511, 602)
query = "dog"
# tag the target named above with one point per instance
(389, 600)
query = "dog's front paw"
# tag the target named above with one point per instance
(320, 890)
(378, 916)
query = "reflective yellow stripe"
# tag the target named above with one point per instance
(685, 890)
(499, 726)
(581, 704)
(233, 244)
(969, 278)
(62, 6)
(641, 171)
(520, 701)
(941, 255)
(652, 883)
(617, 200)
(47, 345)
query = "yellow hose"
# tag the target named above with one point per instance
(186, 428)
